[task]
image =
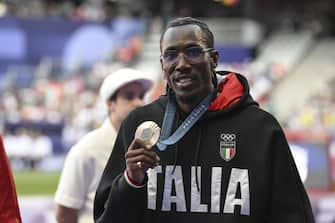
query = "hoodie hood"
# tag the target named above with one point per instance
(232, 93)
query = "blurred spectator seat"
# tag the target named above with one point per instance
(21, 76)
(47, 37)
(88, 45)
(13, 43)
(128, 32)
(277, 56)
(311, 74)
(29, 40)
(282, 48)
(235, 53)
(125, 28)
(51, 130)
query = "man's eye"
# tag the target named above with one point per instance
(193, 52)
(129, 96)
(170, 55)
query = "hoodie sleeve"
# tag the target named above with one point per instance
(289, 201)
(115, 200)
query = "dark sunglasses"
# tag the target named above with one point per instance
(192, 54)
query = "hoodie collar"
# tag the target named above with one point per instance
(230, 90)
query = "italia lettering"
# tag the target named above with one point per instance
(174, 191)
(174, 179)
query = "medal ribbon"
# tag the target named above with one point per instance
(165, 139)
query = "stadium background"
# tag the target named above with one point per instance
(54, 54)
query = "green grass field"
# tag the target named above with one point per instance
(36, 182)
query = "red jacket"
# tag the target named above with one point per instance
(9, 208)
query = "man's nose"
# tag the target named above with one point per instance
(182, 63)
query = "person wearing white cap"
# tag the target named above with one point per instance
(122, 91)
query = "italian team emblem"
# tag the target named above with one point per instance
(227, 146)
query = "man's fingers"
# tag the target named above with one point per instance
(139, 152)
(148, 157)
(138, 157)
(144, 159)
(136, 144)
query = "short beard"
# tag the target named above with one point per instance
(187, 99)
(188, 102)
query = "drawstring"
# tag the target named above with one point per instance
(197, 159)
(176, 147)
(196, 154)
(175, 159)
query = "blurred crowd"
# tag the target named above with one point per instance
(64, 109)
(318, 112)
(53, 111)
(99, 10)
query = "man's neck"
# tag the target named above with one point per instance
(187, 106)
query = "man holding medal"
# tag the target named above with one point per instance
(204, 152)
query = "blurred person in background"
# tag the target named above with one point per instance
(9, 208)
(220, 157)
(122, 91)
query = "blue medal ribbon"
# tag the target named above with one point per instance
(165, 139)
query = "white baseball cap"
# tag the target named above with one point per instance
(121, 77)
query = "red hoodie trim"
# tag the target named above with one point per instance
(9, 208)
(230, 91)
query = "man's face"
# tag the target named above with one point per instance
(191, 80)
(128, 97)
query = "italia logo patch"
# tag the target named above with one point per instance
(227, 146)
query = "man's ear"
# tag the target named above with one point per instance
(161, 60)
(214, 59)
(110, 105)
(162, 68)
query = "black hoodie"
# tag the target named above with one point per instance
(233, 166)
